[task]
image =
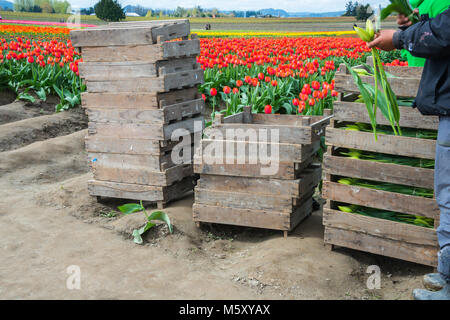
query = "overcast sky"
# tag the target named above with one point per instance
(288, 5)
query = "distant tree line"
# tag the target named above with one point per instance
(246, 14)
(358, 10)
(109, 10)
(47, 6)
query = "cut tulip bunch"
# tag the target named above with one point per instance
(402, 7)
(372, 95)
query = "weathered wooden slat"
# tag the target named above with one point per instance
(398, 71)
(182, 110)
(132, 161)
(421, 254)
(137, 100)
(273, 170)
(289, 120)
(402, 87)
(288, 189)
(256, 151)
(409, 117)
(397, 145)
(141, 175)
(141, 192)
(146, 131)
(150, 116)
(378, 171)
(283, 128)
(241, 217)
(242, 200)
(252, 218)
(104, 71)
(379, 199)
(97, 71)
(234, 118)
(380, 227)
(162, 83)
(129, 35)
(143, 53)
(129, 146)
(260, 186)
(251, 132)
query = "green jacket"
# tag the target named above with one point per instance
(430, 8)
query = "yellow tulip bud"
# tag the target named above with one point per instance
(369, 29)
(363, 34)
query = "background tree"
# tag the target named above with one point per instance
(23, 5)
(140, 10)
(87, 11)
(109, 10)
(364, 12)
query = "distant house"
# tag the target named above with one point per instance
(131, 14)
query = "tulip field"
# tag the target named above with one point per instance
(274, 74)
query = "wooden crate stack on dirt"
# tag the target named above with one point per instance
(141, 89)
(375, 235)
(238, 191)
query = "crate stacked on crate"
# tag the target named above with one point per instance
(373, 232)
(141, 90)
(237, 187)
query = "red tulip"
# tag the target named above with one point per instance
(301, 107)
(268, 109)
(213, 92)
(226, 89)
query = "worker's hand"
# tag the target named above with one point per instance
(403, 20)
(383, 40)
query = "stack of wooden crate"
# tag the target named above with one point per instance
(141, 88)
(366, 233)
(236, 190)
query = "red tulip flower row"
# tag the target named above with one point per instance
(292, 75)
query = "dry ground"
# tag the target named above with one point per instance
(49, 222)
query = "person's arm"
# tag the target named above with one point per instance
(426, 39)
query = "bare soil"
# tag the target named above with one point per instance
(49, 222)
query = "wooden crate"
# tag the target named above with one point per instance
(256, 202)
(124, 34)
(299, 140)
(236, 190)
(141, 89)
(393, 239)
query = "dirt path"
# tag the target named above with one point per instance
(49, 222)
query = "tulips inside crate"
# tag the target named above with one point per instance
(379, 192)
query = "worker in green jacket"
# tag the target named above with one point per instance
(428, 9)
